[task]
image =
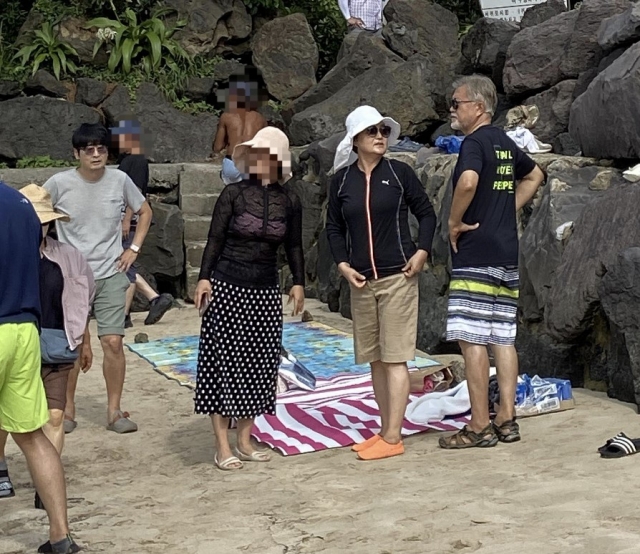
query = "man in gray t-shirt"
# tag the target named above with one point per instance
(94, 198)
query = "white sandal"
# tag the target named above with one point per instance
(255, 456)
(228, 464)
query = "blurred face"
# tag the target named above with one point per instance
(128, 143)
(92, 157)
(373, 140)
(465, 113)
(263, 165)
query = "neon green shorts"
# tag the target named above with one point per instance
(23, 403)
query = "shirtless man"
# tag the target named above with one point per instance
(239, 123)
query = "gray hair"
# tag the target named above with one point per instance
(481, 89)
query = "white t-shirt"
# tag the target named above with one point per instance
(95, 210)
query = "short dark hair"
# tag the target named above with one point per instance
(87, 134)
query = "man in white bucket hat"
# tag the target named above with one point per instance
(368, 231)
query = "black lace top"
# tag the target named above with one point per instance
(249, 223)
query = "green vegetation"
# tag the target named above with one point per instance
(149, 42)
(46, 48)
(42, 161)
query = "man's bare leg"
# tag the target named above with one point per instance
(3, 444)
(476, 359)
(381, 393)
(145, 288)
(398, 387)
(48, 477)
(72, 383)
(131, 293)
(113, 369)
(506, 358)
(54, 429)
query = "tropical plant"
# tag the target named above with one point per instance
(149, 43)
(47, 48)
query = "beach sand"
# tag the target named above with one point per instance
(157, 490)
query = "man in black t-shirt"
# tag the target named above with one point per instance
(493, 179)
(128, 140)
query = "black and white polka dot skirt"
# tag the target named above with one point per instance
(239, 356)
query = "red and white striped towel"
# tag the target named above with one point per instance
(339, 412)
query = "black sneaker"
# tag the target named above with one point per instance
(65, 546)
(159, 307)
(37, 503)
(127, 322)
(6, 486)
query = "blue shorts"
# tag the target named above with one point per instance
(230, 173)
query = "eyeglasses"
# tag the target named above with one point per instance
(455, 104)
(91, 150)
(384, 130)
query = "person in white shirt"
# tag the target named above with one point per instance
(363, 15)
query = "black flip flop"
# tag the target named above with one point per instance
(619, 447)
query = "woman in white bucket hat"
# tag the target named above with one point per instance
(368, 231)
(239, 294)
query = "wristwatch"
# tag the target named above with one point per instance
(134, 248)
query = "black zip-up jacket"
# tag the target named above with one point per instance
(368, 220)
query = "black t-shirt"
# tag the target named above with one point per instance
(51, 286)
(499, 164)
(136, 167)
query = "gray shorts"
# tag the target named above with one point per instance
(109, 305)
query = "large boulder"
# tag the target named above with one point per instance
(540, 13)
(391, 89)
(368, 51)
(40, 126)
(91, 92)
(46, 84)
(604, 120)
(309, 195)
(484, 48)
(163, 252)
(201, 35)
(9, 89)
(175, 136)
(620, 298)
(583, 50)
(285, 51)
(117, 105)
(606, 228)
(572, 183)
(620, 30)
(422, 27)
(555, 107)
(74, 31)
(534, 54)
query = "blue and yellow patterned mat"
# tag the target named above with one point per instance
(325, 351)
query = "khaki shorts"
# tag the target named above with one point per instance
(385, 319)
(23, 404)
(109, 305)
(55, 379)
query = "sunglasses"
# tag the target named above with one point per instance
(91, 150)
(384, 130)
(455, 104)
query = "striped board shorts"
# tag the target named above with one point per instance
(483, 305)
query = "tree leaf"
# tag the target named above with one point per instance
(56, 66)
(156, 48)
(127, 50)
(103, 22)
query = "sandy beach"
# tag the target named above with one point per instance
(158, 491)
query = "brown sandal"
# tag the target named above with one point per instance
(509, 431)
(467, 438)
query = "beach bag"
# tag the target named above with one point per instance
(54, 347)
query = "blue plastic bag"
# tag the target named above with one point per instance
(450, 144)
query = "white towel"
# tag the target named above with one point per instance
(436, 406)
(526, 140)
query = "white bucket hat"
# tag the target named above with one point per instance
(358, 120)
(268, 138)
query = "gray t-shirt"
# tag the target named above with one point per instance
(95, 210)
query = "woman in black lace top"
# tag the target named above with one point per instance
(238, 291)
